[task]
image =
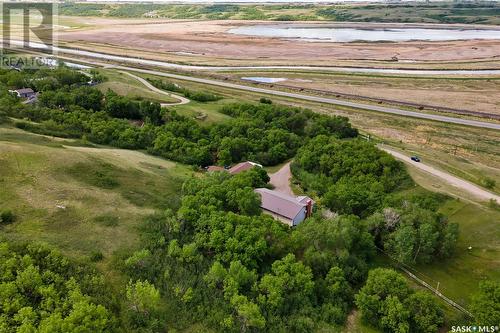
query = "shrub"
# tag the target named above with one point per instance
(3, 117)
(6, 216)
(488, 182)
(265, 100)
(201, 96)
(96, 256)
(494, 204)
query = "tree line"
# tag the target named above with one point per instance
(267, 134)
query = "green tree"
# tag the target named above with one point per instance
(387, 302)
(288, 288)
(448, 239)
(485, 304)
(342, 241)
(143, 302)
(394, 316)
(41, 291)
(336, 295)
(248, 313)
(425, 313)
(377, 298)
(402, 244)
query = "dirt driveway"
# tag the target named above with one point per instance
(281, 180)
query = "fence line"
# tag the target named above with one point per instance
(427, 285)
(438, 293)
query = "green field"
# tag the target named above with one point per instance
(460, 275)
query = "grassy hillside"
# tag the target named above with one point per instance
(442, 12)
(83, 200)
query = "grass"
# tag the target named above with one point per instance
(83, 200)
(450, 148)
(208, 110)
(125, 85)
(97, 173)
(460, 275)
(108, 192)
(471, 154)
(475, 94)
(355, 325)
(205, 113)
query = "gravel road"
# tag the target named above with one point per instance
(450, 179)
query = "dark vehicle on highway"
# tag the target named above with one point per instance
(415, 158)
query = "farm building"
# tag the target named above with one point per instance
(23, 93)
(243, 166)
(240, 167)
(288, 209)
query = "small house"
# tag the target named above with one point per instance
(23, 93)
(243, 166)
(240, 167)
(288, 209)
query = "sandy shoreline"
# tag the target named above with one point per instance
(209, 40)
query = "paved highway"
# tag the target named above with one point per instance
(326, 100)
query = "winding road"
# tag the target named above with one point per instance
(182, 99)
(281, 179)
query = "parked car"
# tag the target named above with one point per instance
(415, 158)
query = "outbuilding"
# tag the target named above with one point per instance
(240, 167)
(243, 166)
(23, 93)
